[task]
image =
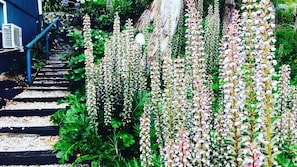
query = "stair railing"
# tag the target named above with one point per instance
(30, 44)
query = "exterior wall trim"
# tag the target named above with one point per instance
(40, 7)
(4, 11)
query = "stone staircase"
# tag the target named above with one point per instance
(26, 134)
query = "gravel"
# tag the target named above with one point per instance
(33, 105)
(54, 62)
(53, 73)
(47, 88)
(22, 142)
(51, 82)
(54, 66)
(54, 165)
(41, 94)
(32, 121)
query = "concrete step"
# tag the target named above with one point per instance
(54, 62)
(45, 99)
(48, 88)
(53, 70)
(52, 73)
(40, 130)
(50, 78)
(56, 57)
(41, 96)
(28, 112)
(27, 135)
(50, 83)
(56, 66)
(51, 165)
(26, 121)
(26, 142)
(35, 158)
(27, 106)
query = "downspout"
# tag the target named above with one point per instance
(4, 11)
(39, 7)
(39, 2)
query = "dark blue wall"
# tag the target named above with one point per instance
(12, 61)
(24, 13)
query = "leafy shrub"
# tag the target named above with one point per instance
(76, 60)
(81, 142)
(116, 143)
(76, 132)
(287, 54)
(285, 16)
(105, 9)
(239, 131)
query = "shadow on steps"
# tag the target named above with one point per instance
(8, 91)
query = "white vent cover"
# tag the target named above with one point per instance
(12, 36)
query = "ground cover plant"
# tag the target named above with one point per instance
(286, 37)
(105, 9)
(76, 60)
(106, 79)
(220, 103)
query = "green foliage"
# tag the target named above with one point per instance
(38, 50)
(125, 8)
(285, 16)
(70, 99)
(127, 139)
(51, 6)
(76, 131)
(139, 100)
(285, 158)
(105, 10)
(286, 44)
(78, 136)
(206, 4)
(179, 41)
(114, 145)
(38, 55)
(76, 60)
(157, 159)
(287, 37)
(286, 1)
(133, 163)
(39, 64)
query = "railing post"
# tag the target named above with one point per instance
(58, 29)
(46, 45)
(28, 57)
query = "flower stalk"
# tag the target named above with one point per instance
(90, 73)
(145, 142)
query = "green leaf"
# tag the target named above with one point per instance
(140, 99)
(115, 123)
(85, 158)
(128, 139)
(284, 161)
(79, 70)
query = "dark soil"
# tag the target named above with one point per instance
(8, 91)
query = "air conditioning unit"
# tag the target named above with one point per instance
(12, 36)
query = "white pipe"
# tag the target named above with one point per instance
(4, 11)
(40, 7)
